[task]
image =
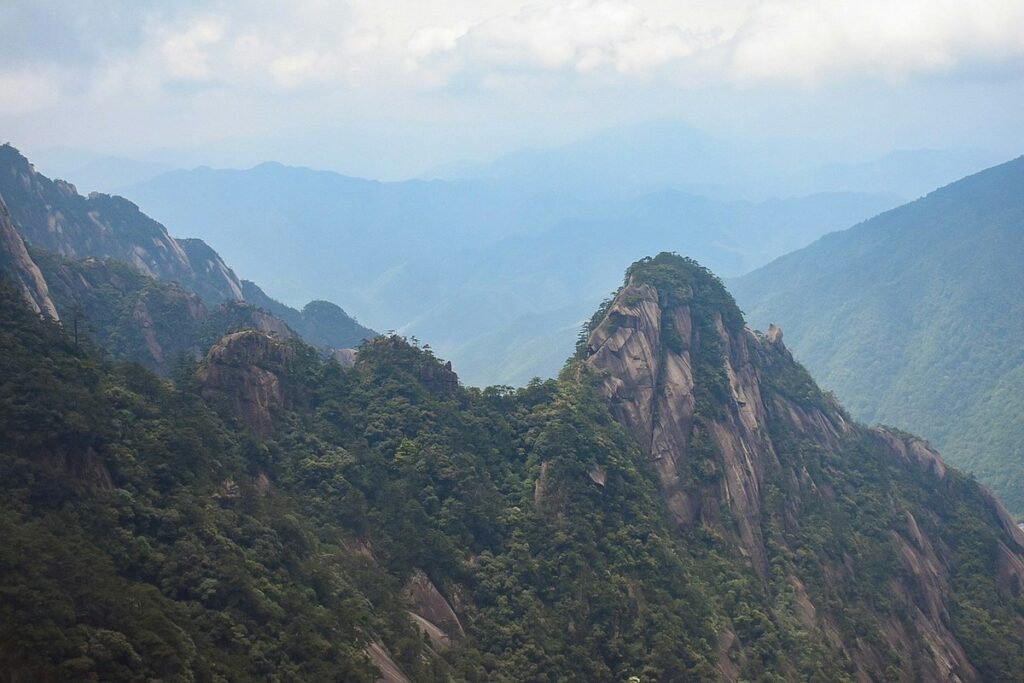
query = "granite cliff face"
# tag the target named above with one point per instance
(726, 415)
(651, 389)
(16, 261)
(51, 215)
(248, 369)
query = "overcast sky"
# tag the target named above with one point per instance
(391, 87)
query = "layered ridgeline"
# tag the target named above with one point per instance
(915, 318)
(682, 504)
(488, 270)
(145, 295)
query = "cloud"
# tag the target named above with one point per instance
(796, 41)
(811, 42)
(254, 66)
(187, 54)
(310, 45)
(582, 37)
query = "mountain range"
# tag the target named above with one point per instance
(628, 161)
(459, 262)
(915, 318)
(682, 503)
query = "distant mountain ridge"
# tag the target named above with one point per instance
(627, 161)
(460, 263)
(915, 318)
(101, 257)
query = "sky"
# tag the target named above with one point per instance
(392, 88)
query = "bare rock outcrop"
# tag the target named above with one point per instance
(345, 357)
(246, 368)
(650, 387)
(440, 379)
(52, 215)
(431, 612)
(390, 672)
(18, 265)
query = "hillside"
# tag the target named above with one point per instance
(915, 318)
(682, 504)
(52, 215)
(148, 296)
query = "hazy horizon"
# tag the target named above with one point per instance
(386, 90)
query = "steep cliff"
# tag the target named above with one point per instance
(51, 215)
(123, 281)
(18, 265)
(744, 443)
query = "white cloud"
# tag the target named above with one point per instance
(187, 54)
(316, 44)
(799, 41)
(581, 36)
(212, 66)
(810, 42)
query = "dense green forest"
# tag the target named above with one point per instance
(148, 533)
(915, 319)
(139, 543)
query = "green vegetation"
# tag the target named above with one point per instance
(915, 318)
(138, 542)
(149, 535)
(133, 317)
(136, 546)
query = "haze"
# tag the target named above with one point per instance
(391, 89)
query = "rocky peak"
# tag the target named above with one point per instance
(720, 411)
(677, 368)
(248, 369)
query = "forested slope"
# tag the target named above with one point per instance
(683, 503)
(915, 318)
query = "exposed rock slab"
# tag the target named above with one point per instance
(246, 367)
(432, 612)
(16, 263)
